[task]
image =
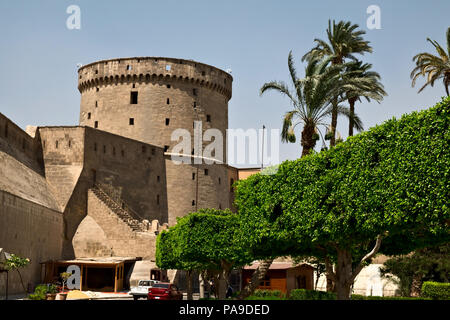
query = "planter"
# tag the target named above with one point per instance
(50, 296)
(61, 296)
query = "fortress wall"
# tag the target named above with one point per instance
(186, 195)
(18, 144)
(102, 233)
(28, 230)
(135, 171)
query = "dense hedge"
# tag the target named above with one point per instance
(436, 290)
(303, 294)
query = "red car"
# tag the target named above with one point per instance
(164, 291)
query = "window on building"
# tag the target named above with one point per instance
(69, 144)
(168, 67)
(193, 202)
(144, 149)
(96, 104)
(195, 104)
(131, 121)
(96, 71)
(166, 148)
(123, 153)
(157, 199)
(114, 151)
(203, 73)
(193, 152)
(89, 115)
(167, 121)
(94, 176)
(98, 89)
(208, 118)
(134, 85)
(153, 151)
(56, 144)
(193, 176)
(95, 147)
(134, 97)
(129, 68)
(96, 124)
(104, 149)
(158, 178)
(206, 172)
(194, 92)
(220, 181)
(168, 101)
(168, 86)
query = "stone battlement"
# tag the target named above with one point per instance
(149, 69)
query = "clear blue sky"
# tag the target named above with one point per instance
(39, 54)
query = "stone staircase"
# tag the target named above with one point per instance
(122, 213)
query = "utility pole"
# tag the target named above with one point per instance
(262, 153)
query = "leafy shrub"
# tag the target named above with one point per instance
(268, 293)
(361, 297)
(436, 290)
(265, 298)
(39, 293)
(303, 294)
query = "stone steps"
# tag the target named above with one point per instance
(126, 217)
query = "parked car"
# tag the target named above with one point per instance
(164, 291)
(141, 291)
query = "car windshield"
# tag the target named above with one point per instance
(161, 285)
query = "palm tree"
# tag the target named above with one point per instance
(311, 99)
(370, 87)
(435, 67)
(344, 41)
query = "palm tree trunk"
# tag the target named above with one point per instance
(446, 89)
(308, 143)
(351, 124)
(334, 115)
(256, 279)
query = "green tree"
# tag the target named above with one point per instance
(204, 240)
(311, 99)
(344, 41)
(411, 270)
(16, 263)
(434, 67)
(384, 190)
(369, 87)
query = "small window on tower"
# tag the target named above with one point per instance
(193, 202)
(89, 115)
(168, 86)
(194, 92)
(96, 124)
(206, 172)
(134, 97)
(134, 85)
(129, 68)
(131, 121)
(195, 104)
(193, 176)
(158, 178)
(208, 118)
(167, 121)
(96, 104)
(98, 89)
(166, 148)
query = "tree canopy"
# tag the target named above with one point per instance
(389, 186)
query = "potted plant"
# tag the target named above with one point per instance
(64, 276)
(51, 292)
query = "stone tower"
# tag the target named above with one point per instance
(146, 99)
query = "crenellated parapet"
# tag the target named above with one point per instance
(150, 69)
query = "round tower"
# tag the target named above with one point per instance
(146, 99)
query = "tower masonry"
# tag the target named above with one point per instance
(147, 99)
